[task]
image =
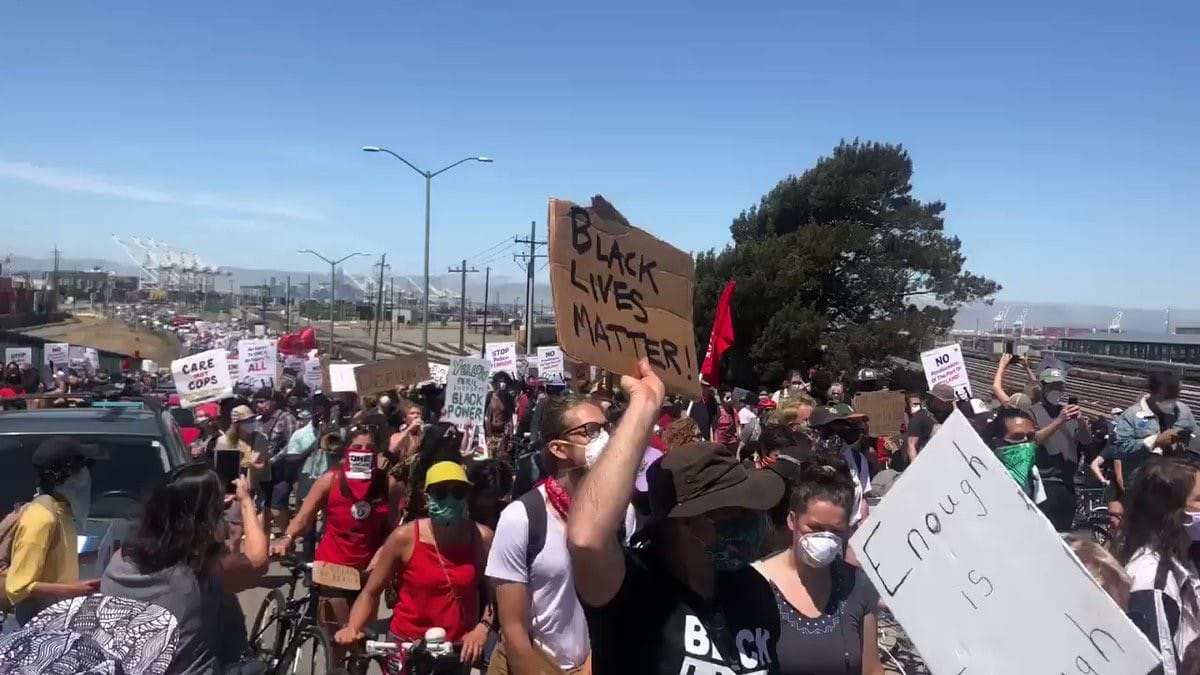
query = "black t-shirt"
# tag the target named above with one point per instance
(655, 624)
(920, 426)
(829, 644)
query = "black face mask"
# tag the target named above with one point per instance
(850, 436)
(941, 415)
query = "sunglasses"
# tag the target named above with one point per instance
(358, 447)
(1024, 438)
(590, 430)
(443, 491)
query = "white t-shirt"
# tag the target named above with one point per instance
(746, 415)
(557, 621)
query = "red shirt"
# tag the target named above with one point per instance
(438, 589)
(348, 540)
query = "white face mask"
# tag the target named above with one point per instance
(914, 409)
(818, 549)
(77, 490)
(594, 448)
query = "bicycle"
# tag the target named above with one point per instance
(285, 632)
(431, 655)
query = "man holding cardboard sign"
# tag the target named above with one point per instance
(621, 294)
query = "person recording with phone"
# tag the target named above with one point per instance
(1058, 454)
(1157, 424)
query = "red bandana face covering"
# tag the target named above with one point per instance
(557, 496)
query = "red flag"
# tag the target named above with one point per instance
(721, 338)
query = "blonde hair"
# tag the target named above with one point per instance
(788, 411)
(1103, 567)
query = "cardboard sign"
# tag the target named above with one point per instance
(466, 391)
(336, 576)
(257, 363)
(55, 353)
(620, 295)
(968, 563)
(884, 411)
(503, 357)
(372, 378)
(550, 363)
(202, 377)
(341, 377)
(18, 355)
(945, 365)
(438, 373)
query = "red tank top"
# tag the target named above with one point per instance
(438, 594)
(353, 534)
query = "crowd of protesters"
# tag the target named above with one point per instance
(604, 526)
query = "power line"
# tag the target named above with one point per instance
(489, 249)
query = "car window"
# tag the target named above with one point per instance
(126, 469)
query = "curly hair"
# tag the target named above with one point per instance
(681, 432)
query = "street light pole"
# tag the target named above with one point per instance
(429, 176)
(332, 287)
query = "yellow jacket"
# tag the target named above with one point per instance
(44, 548)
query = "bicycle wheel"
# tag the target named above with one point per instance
(310, 652)
(269, 632)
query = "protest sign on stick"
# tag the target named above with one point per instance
(945, 365)
(18, 355)
(621, 294)
(55, 353)
(503, 357)
(550, 363)
(438, 373)
(257, 362)
(963, 558)
(466, 391)
(202, 377)
(372, 378)
(884, 411)
(312, 373)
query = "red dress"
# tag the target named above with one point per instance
(353, 533)
(438, 591)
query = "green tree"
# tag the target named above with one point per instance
(838, 266)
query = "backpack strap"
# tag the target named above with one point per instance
(535, 511)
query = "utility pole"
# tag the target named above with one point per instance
(529, 259)
(392, 313)
(54, 282)
(462, 305)
(287, 305)
(378, 305)
(332, 287)
(487, 278)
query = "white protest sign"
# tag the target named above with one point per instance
(202, 377)
(438, 373)
(312, 372)
(294, 363)
(257, 362)
(55, 353)
(91, 358)
(341, 377)
(149, 366)
(550, 363)
(18, 355)
(231, 360)
(945, 365)
(978, 577)
(503, 357)
(77, 356)
(466, 391)
(260, 330)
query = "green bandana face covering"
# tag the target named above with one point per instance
(1018, 459)
(448, 511)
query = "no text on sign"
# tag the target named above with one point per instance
(621, 294)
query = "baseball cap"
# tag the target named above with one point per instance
(833, 412)
(1020, 401)
(241, 413)
(444, 472)
(59, 450)
(943, 392)
(1051, 375)
(697, 478)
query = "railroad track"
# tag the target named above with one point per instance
(1096, 396)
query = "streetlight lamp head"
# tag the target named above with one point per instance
(370, 148)
(484, 159)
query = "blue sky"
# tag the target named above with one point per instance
(1063, 136)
